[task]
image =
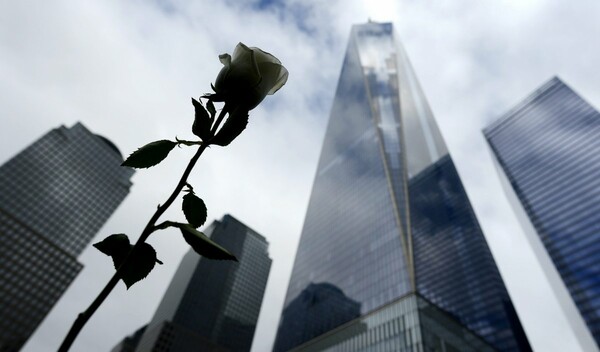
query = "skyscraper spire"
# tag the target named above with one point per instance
(389, 228)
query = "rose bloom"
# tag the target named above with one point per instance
(249, 76)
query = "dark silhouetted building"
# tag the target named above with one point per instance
(548, 147)
(130, 343)
(389, 231)
(213, 305)
(324, 305)
(54, 197)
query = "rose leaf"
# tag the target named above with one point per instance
(149, 155)
(202, 121)
(115, 246)
(139, 265)
(204, 245)
(194, 210)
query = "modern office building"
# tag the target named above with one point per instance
(130, 343)
(391, 256)
(548, 148)
(213, 305)
(54, 196)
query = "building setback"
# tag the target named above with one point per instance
(54, 197)
(213, 305)
(391, 256)
(548, 148)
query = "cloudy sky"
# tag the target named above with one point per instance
(127, 70)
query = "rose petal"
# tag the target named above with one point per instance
(249, 75)
(244, 66)
(263, 56)
(281, 80)
(241, 53)
(225, 59)
(270, 75)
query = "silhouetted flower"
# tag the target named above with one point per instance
(249, 76)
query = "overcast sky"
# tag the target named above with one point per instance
(127, 70)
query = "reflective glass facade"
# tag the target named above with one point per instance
(213, 305)
(410, 323)
(130, 343)
(65, 185)
(454, 267)
(34, 273)
(388, 215)
(549, 148)
(54, 196)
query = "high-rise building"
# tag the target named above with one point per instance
(213, 305)
(54, 196)
(391, 253)
(548, 148)
(130, 343)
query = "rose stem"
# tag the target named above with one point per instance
(84, 316)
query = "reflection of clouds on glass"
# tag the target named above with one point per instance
(323, 306)
(549, 148)
(377, 59)
(350, 223)
(417, 110)
(381, 146)
(367, 135)
(410, 323)
(454, 267)
(351, 237)
(376, 50)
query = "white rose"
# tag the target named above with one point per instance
(249, 76)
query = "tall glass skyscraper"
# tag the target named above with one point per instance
(54, 196)
(549, 148)
(212, 305)
(389, 234)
